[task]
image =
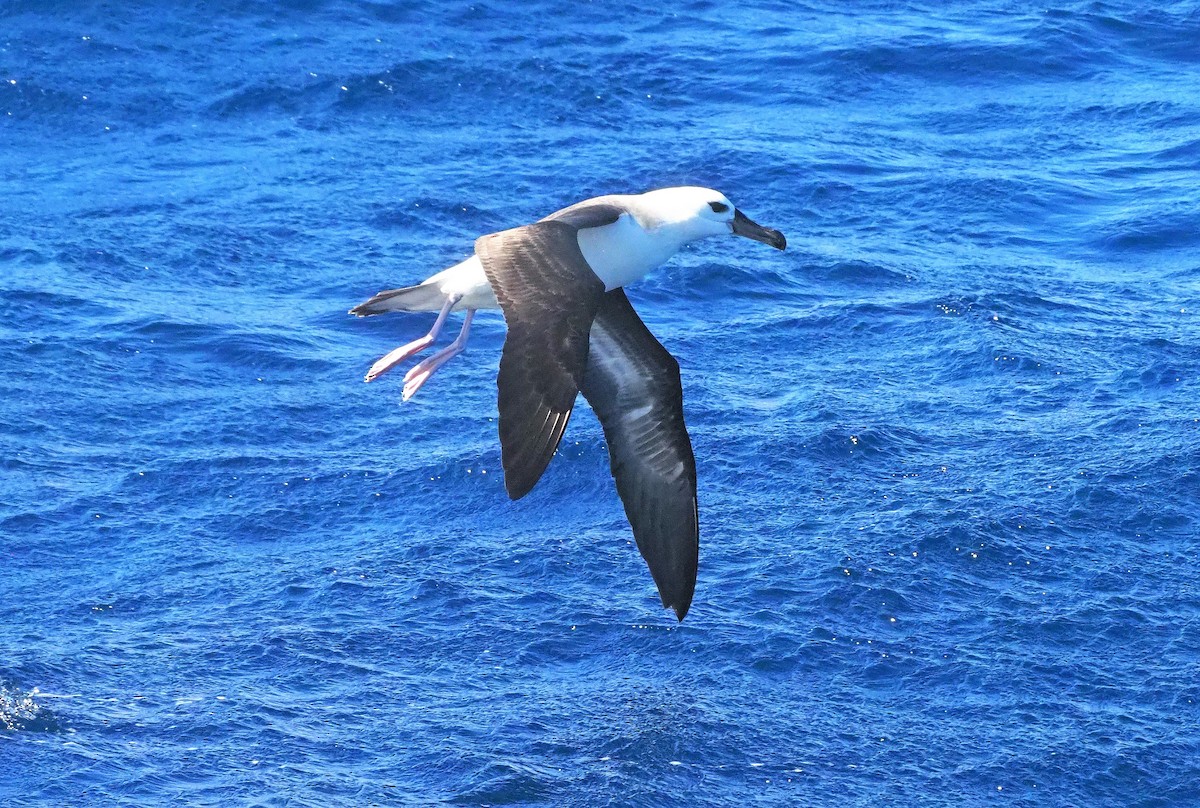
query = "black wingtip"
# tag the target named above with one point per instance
(517, 488)
(678, 601)
(525, 461)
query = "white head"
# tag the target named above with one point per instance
(692, 213)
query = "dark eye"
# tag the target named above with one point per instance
(718, 207)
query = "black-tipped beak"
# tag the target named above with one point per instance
(744, 226)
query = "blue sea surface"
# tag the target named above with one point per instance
(948, 442)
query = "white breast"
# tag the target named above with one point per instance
(622, 252)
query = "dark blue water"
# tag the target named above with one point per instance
(948, 443)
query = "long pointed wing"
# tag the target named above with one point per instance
(633, 385)
(549, 296)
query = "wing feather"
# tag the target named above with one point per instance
(633, 385)
(549, 296)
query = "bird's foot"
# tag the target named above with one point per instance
(420, 373)
(397, 356)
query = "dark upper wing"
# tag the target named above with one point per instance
(549, 295)
(591, 213)
(633, 385)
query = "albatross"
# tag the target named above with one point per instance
(559, 283)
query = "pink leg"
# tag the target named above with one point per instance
(421, 372)
(397, 356)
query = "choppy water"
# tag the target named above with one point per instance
(948, 442)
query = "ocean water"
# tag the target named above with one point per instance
(948, 442)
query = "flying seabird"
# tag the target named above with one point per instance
(571, 330)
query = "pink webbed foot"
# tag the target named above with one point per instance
(420, 373)
(398, 355)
